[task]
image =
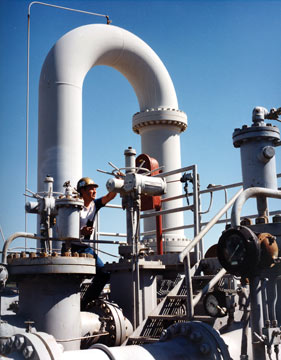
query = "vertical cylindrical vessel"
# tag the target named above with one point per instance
(160, 135)
(256, 145)
(53, 303)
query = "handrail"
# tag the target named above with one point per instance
(249, 193)
(211, 223)
(208, 286)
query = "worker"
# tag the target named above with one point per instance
(87, 189)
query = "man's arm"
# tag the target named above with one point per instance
(105, 199)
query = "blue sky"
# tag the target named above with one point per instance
(223, 58)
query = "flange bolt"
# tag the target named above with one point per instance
(205, 349)
(27, 352)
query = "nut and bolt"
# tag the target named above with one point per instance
(2, 348)
(10, 342)
(204, 349)
(164, 335)
(66, 253)
(277, 219)
(185, 329)
(19, 342)
(262, 220)
(246, 222)
(27, 352)
(196, 336)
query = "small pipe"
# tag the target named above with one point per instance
(264, 301)
(159, 233)
(256, 318)
(12, 238)
(249, 193)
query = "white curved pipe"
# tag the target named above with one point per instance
(247, 194)
(60, 97)
(60, 102)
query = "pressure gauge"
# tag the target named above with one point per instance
(239, 251)
(215, 304)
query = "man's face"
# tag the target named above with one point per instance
(89, 192)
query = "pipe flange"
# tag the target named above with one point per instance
(117, 326)
(21, 266)
(160, 116)
(33, 346)
(202, 340)
(257, 130)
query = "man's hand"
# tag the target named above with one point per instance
(86, 230)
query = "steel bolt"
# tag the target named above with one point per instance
(196, 336)
(246, 222)
(27, 352)
(67, 254)
(2, 348)
(262, 220)
(19, 342)
(205, 348)
(185, 329)
(10, 341)
(164, 335)
(277, 219)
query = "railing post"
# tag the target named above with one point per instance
(189, 294)
(196, 219)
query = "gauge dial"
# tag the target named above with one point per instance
(215, 304)
(239, 251)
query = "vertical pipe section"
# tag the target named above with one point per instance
(256, 318)
(159, 233)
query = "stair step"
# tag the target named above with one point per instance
(202, 318)
(168, 317)
(202, 277)
(142, 339)
(183, 297)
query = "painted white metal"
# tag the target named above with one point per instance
(159, 121)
